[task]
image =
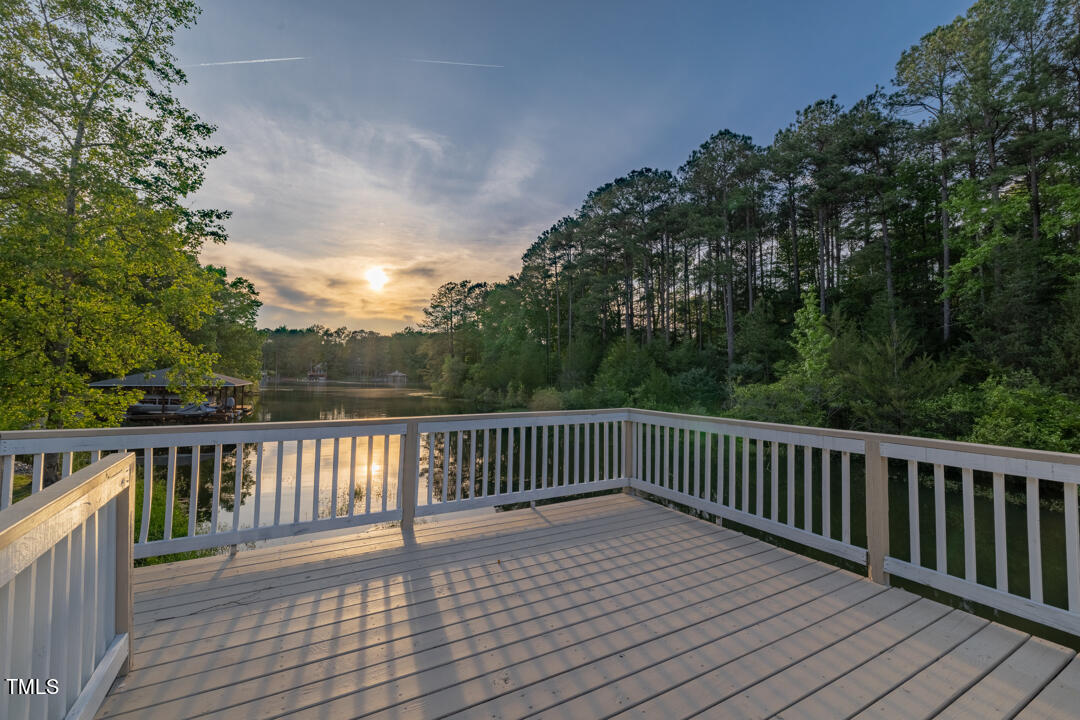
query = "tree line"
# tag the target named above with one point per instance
(351, 355)
(906, 264)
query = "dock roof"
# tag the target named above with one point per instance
(159, 378)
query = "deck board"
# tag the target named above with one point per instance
(929, 692)
(1060, 697)
(1012, 684)
(860, 687)
(591, 608)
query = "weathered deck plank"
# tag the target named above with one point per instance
(588, 608)
(466, 591)
(438, 572)
(770, 695)
(627, 677)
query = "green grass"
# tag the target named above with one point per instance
(157, 523)
(20, 487)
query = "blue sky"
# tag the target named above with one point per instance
(359, 157)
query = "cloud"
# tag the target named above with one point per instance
(509, 172)
(320, 201)
(425, 271)
(432, 143)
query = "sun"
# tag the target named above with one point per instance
(376, 278)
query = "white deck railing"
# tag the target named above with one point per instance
(825, 489)
(66, 593)
(745, 472)
(986, 469)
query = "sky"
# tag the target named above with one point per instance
(421, 142)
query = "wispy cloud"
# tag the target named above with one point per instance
(510, 170)
(451, 62)
(333, 198)
(246, 62)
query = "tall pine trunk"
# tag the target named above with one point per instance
(749, 263)
(890, 289)
(570, 312)
(821, 256)
(628, 290)
(794, 240)
(946, 307)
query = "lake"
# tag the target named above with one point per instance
(375, 464)
(340, 401)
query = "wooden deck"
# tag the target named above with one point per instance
(605, 607)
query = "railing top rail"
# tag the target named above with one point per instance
(889, 442)
(62, 506)
(16, 435)
(438, 422)
(1058, 465)
(137, 438)
(13, 435)
(13, 442)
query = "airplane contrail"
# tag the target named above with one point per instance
(450, 62)
(247, 62)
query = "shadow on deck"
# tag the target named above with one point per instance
(603, 607)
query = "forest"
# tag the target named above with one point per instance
(908, 263)
(349, 355)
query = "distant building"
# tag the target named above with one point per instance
(317, 373)
(396, 379)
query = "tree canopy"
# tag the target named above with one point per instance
(99, 270)
(900, 264)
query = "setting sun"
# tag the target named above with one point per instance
(376, 277)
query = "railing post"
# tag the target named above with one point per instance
(627, 452)
(7, 480)
(877, 512)
(125, 554)
(410, 476)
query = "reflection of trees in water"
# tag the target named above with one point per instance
(472, 465)
(227, 489)
(342, 503)
(502, 457)
(486, 457)
(182, 477)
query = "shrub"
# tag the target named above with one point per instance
(546, 399)
(624, 368)
(1019, 411)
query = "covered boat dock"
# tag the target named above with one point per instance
(225, 398)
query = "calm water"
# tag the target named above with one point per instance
(331, 401)
(372, 471)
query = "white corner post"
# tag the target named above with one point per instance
(877, 512)
(627, 453)
(125, 560)
(410, 476)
